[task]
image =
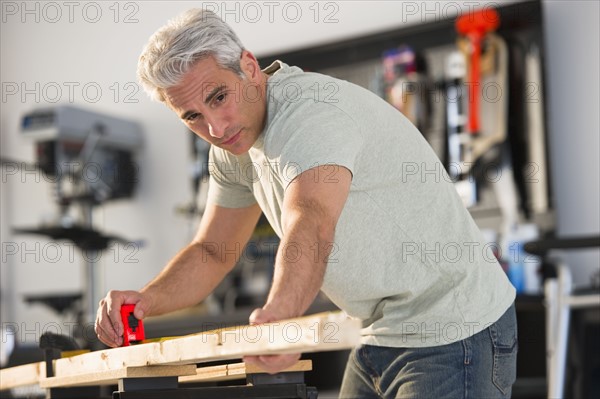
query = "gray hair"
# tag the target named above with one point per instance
(174, 49)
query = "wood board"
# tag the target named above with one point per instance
(19, 376)
(112, 377)
(314, 333)
(236, 371)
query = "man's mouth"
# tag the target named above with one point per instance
(233, 139)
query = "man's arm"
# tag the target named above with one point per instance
(311, 208)
(190, 276)
(197, 270)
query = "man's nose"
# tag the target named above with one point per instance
(217, 127)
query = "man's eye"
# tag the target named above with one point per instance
(192, 117)
(220, 98)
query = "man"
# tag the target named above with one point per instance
(348, 183)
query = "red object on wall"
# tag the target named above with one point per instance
(474, 26)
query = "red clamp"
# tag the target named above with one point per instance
(133, 329)
(475, 26)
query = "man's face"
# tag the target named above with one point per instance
(219, 106)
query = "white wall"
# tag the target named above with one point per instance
(70, 48)
(573, 44)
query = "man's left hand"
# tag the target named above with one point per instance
(270, 363)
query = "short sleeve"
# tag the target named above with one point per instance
(319, 135)
(227, 186)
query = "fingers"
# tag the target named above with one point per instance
(273, 363)
(256, 317)
(142, 308)
(261, 315)
(109, 326)
(270, 363)
(104, 328)
(114, 301)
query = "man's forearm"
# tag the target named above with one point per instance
(188, 278)
(299, 269)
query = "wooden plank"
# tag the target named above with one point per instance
(208, 374)
(19, 376)
(108, 359)
(321, 332)
(111, 377)
(35, 373)
(315, 333)
(301, 365)
(236, 371)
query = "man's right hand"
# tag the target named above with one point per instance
(109, 327)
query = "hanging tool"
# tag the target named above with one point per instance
(537, 181)
(458, 139)
(475, 26)
(406, 84)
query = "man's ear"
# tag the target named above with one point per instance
(249, 64)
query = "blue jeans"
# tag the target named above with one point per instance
(481, 366)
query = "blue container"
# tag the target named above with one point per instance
(516, 268)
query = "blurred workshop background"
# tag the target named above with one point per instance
(101, 186)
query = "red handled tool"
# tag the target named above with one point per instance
(133, 329)
(474, 26)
